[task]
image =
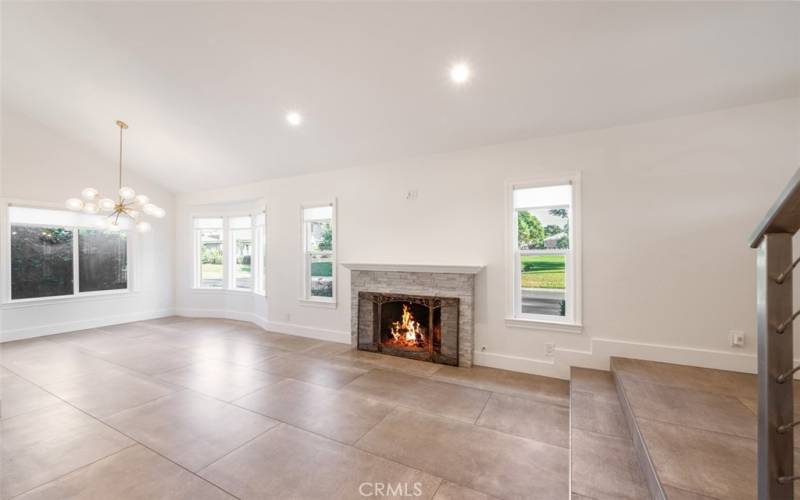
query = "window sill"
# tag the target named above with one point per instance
(224, 290)
(550, 326)
(65, 299)
(326, 304)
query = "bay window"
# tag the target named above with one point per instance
(229, 252)
(319, 253)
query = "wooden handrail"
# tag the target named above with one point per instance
(783, 216)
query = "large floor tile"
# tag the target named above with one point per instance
(109, 392)
(18, 396)
(53, 363)
(527, 418)
(338, 415)
(593, 412)
(691, 377)
(288, 342)
(598, 382)
(220, 380)
(290, 463)
(370, 360)
(606, 468)
(150, 358)
(308, 369)
(236, 351)
(450, 491)
(485, 460)
(464, 403)
(191, 429)
(40, 446)
(549, 390)
(689, 407)
(699, 461)
(134, 473)
(327, 349)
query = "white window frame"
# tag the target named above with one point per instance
(196, 261)
(231, 250)
(228, 275)
(259, 259)
(307, 298)
(572, 322)
(5, 254)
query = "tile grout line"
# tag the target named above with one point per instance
(132, 445)
(127, 436)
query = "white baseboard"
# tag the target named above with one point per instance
(602, 350)
(307, 331)
(71, 326)
(273, 326)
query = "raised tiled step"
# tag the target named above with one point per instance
(602, 456)
(694, 428)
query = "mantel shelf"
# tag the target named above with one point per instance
(414, 268)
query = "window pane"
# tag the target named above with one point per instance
(543, 282)
(243, 252)
(240, 222)
(543, 228)
(321, 275)
(208, 222)
(211, 255)
(546, 196)
(102, 260)
(41, 262)
(318, 213)
(319, 236)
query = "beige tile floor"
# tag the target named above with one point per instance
(182, 408)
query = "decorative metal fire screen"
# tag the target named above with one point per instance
(411, 326)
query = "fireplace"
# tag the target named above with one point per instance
(412, 326)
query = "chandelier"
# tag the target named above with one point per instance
(128, 204)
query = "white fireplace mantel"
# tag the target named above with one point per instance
(414, 268)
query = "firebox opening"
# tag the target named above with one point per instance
(406, 326)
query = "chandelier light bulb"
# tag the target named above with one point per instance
(128, 207)
(89, 194)
(106, 204)
(127, 193)
(75, 204)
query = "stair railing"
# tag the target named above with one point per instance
(776, 370)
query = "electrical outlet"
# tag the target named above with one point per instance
(549, 349)
(737, 338)
(483, 348)
(411, 194)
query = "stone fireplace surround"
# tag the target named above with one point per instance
(427, 280)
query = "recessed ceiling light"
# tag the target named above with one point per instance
(460, 73)
(294, 118)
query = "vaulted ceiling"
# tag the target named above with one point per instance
(205, 87)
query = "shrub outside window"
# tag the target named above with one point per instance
(319, 253)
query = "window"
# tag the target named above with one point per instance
(210, 252)
(102, 260)
(260, 260)
(319, 253)
(545, 262)
(55, 253)
(230, 252)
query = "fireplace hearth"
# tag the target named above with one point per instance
(412, 326)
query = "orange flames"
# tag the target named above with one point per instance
(407, 332)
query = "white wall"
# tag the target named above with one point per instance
(40, 165)
(667, 209)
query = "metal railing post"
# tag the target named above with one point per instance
(775, 353)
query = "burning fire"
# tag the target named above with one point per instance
(407, 332)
